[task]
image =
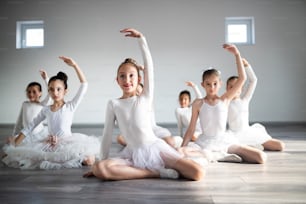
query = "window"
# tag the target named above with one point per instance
(239, 30)
(29, 34)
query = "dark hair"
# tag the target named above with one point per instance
(34, 83)
(132, 62)
(210, 72)
(230, 79)
(60, 76)
(185, 92)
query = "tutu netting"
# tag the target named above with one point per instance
(151, 156)
(219, 143)
(69, 152)
(252, 135)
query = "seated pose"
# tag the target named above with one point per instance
(183, 113)
(238, 116)
(30, 109)
(145, 155)
(212, 111)
(62, 148)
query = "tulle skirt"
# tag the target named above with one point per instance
(150, 156)
(252, 135)
(69, 152)
(219, 143)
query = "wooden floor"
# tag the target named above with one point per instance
(281, 180)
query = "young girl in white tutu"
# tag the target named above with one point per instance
(30, 109)
(238, 115)
(145, 156)
(61, 148)
(183, 113)
(212, 111)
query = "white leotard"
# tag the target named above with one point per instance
(213, 122)
(134, 119)
(29, 110)
(69, 152)
(183, 116)
(238, 116)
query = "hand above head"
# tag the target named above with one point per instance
(231, 48)
(190, 83)
(245, 62)
(43, 74)
(69, 61)
(130, 32)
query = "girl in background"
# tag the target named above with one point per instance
(62, 148)
(30, 109)
(238, 115)
(212, 111)
(183, 113)
(145, 156)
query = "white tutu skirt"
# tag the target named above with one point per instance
(253, 135)
(150, 156)
(69, 152)
(219, 143)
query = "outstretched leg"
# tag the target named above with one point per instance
(187, 168)
(248, 154)
(115, 169)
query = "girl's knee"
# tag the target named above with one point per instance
(262, 157)
(199, 174)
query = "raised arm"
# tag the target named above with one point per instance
(147, 58)
(45, 77)
(195, 89)
(252, 80)
(229, 95)
(69, 61)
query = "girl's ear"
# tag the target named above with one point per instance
(66, 91)
(202, 84)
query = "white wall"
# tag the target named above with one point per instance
(185, 37)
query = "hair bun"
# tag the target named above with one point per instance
(62, 75)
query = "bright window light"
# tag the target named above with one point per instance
(34, 37)
(239, 30)
(29, 34)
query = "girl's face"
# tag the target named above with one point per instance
(230, 85)
(212, 84)
(33, 93)
(57, 90)
(184, 100)
(128, 79)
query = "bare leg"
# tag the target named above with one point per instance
(194, 138)
(274, 145)
(121, 140)
(248, 154)
(187, 168)
(118, 170)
